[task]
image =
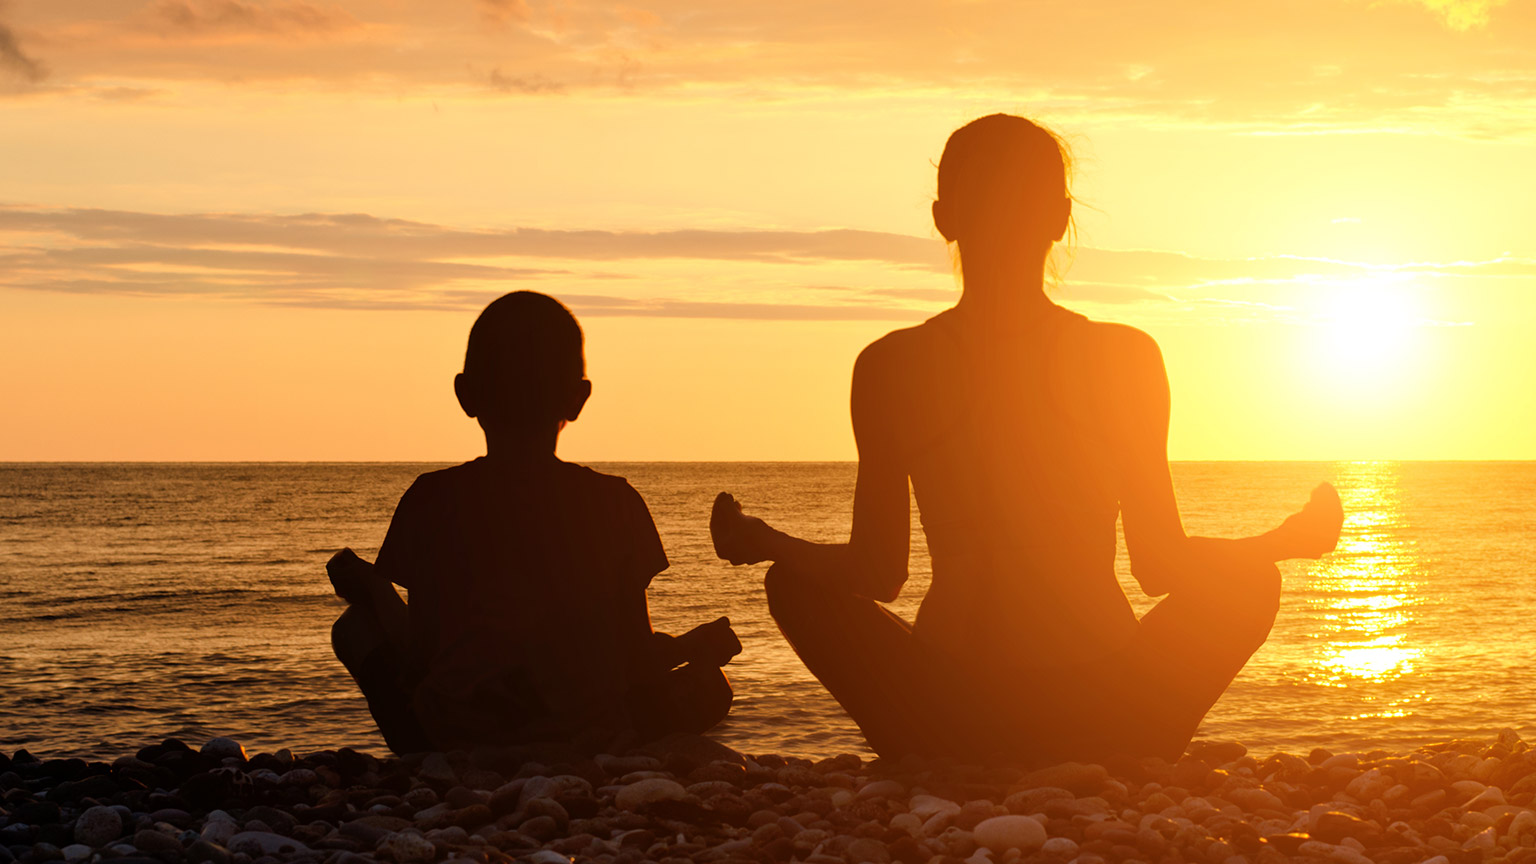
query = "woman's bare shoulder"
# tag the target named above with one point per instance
(1119, 344)
(898, 350)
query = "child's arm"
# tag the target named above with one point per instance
(712, 644)
(360, 584)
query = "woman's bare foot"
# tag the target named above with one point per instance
(1314, 531)
(734, 533)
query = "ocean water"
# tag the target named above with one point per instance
(139, 601)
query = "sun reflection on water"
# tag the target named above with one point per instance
(1364, 595)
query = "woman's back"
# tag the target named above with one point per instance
(1009, 437)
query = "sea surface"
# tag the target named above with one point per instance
(140, 601)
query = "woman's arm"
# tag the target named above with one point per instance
(873, 563)
(1161, 553)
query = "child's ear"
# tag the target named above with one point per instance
(466, 394)
(579, 396)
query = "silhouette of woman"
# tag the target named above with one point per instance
(1025, 429)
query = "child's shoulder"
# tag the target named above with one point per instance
(573, 474)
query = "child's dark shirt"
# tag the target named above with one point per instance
(527, 597)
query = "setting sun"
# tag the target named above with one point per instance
(1370, 329)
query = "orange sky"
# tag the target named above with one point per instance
(235, 229)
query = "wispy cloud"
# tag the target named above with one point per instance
(224, 17)
(535, 83)
(504, 12)
(1314, 65)
(1463, 14)
(360, 261)
(17, 63)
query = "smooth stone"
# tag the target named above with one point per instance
(436, 768)
(265, 843)
(218, 831)
(1256, 799)
(1001, 833)
(546, 856)
(1077, 777)
(865, 850)
(643, 792)
(1062, 847)
(76, 852)
(553, 787)
(302, 777)
(203, 852)
(223, 748)
(98, 826)
(890, 789)
(927, 806)
(152, 841)
(407, 847)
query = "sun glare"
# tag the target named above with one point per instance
(1369, 327)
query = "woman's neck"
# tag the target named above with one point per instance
(1004, 287)
(1004, 304)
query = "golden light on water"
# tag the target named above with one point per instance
(1366, 593)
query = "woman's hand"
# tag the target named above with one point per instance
(738, 538)
(1313, 531)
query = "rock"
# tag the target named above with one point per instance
(98, 826)
(546, 856)
(218, 831)
(1334, 826)
(643, 792)
(1078, 778)
(76, 852)
(407, 847)
(1256, 799)
(204, 852)
(155, 842)
(1001, 833)
(436, 768)
(223, 748)
(258, 843)
(695, 748)
(1061, 847)
(865, 850)
(1217, 752)
(890, 789)
(300, 777)
(557, 786)
(1031, 801)
(275, 819)
(926, 807)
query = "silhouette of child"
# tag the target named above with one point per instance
(527, 576)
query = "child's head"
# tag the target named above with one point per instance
(524, 370)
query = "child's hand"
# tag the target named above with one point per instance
(349, 575)
(720, 643)
(736, 535)
(1313, 531)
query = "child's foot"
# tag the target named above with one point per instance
(732, 530)
(1314, 531)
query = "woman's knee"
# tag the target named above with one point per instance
(790, 594)
(1257, 603)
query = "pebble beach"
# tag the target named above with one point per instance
(694, 800)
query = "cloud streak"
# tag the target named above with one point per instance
(1319, 65)
(17, 63)
(222, 17)
(360, 261)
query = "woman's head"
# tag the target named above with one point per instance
(1003, 182)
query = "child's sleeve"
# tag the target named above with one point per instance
(645, 557)
(403, 556)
